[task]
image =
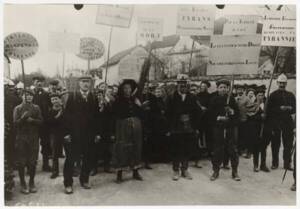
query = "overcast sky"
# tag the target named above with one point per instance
(38, 20)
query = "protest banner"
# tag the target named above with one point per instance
(114, 15)
(279, 29)
(20, 45)
(150, 29)
(195, 20)
(130, 67)
(234, 55)
(240, 24)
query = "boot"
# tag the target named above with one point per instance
(68, 189)
(136, 175)
(119, 177)
(235, 175)
(214, 176)
(264, 168)
(293, 187)
(46, 166)
(287, 166)
(255, 169)
(32, 188)
(186, 174)
(147, 166)
(176, 175)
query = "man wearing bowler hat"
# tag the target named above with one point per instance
(182, 112)
(79, 137)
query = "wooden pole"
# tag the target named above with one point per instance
(23, 76)
(89, 65)
(190, 62)
(108, 52)
(268, 92)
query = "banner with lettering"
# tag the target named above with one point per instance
(240, 24)
(234, 54)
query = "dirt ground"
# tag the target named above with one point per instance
(159, 189)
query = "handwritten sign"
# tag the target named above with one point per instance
(279, 29)
(20, 45)
(64, 42)
(234, 54)
(150, 29)
(91, 48)
(240, 25)
(195, 20)
(114, 15)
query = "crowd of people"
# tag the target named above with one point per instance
(121, 128)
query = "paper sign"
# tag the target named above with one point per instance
(114, 15)
(240, 25)
(195, 20)
(20, 45)
(279, 29)
(234, 54)
(91, 48)
(64, 42)
(150, 29)
(130, 67)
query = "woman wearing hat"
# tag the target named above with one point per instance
(127, 130)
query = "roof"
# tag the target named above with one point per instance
(168, 41)
(117, 57)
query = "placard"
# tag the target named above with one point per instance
(61, 42)
(20, 45)
(114, 15)
(234, 54)
(91, 48)
(279, 29)
(196, 20)
(240, 25)
(150, 29)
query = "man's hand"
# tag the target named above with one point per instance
(203, 108)
(113, 138)
(67, 138)
(229, 110)
(168, 134)
(97, 139)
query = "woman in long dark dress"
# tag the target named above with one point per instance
(127, 131)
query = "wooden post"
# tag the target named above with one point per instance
(23, 76)
(190, 63)
(89, 64)
(108, 52)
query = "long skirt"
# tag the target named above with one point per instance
(127, 151)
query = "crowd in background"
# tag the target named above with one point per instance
(120, 128)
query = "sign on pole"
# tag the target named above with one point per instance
(20, 45)
(279, 29)
(234, 55)
(114, 15)
(61, 42)
(196, 20)
(150, 29)
(240, 24)
(91, 48)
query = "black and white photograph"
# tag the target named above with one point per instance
(149, 104)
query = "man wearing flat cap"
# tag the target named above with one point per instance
(182, 114)
(42, 99)
(281, 107)
(79, 137)
(27, 118)
(224, 117)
